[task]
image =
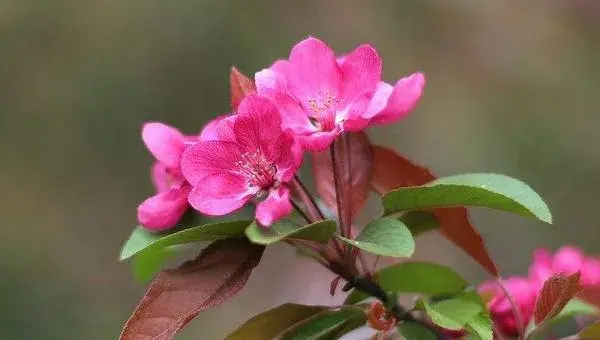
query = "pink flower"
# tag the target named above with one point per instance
(567, 260)
(524, 294)
(320, 97)
(240, 158)
(165, 209)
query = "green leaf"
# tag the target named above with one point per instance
(267, 325)
(321, 231)
(147, 263)
(482, 190)
(143, 240)
(415, 331)
(324, 325)
(415, 277)
(452, 314)
(481, 327)
(385, 236)
(419, 222)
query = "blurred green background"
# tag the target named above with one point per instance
(512, 87)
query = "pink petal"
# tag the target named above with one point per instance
(160, 177)
(379, 100)
(590, 272)
(220, 128)
(319, 140)
(220, 194)
(164, 210)
(164, 142)
(567, 260)
(258, 123)
(290, 159)
(541, 268)
(293, 116)
(361, 71)
(275, 207)
(271, 79)
(208, 158)
(313, 71)
(403, 99)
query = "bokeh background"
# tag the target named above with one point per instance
(512, 87)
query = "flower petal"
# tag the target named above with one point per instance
(219, 194)
(164, 210)
(361, 71)
(313, 71)
(258, 123)
(208, 158)
(220, 128)
(402, 100)
(272, 79)
(275, 207)
(164, 142)
(160, 177)
(567, 260)
(319, 140)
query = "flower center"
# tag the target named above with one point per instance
(323, 108)
(259, 171)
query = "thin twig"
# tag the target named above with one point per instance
(308, 199)
(300, 211)
(338, 194)
(515, 309)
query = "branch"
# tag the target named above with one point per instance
(368, 286)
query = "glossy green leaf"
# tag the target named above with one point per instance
(419, 222)
(385, 236)
(142, 240)
(482, 190)
(321, 231)
(480, 327)
(415, 277)
(452, 314)
(415, 331)
(324, 325)
(147, 264)
(269, 324)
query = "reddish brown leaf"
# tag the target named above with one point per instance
(176, 296)
(354, 157)
(555, 294)
(241, 86)
(392, 171)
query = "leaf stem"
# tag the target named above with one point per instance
(515, 309)
(338, 195)
(307, 198)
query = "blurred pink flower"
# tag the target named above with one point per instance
(243, 157)
(524, 295)
(320, 97)
(165, 209)
(525, 290)
(566, 260)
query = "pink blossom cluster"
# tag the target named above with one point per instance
(525, 290)
(301, 104)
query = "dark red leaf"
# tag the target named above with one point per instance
(176, 296)
(354, 157)
(555, 294)
(241, 86)
(392, 171)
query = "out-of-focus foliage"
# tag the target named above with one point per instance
(512, 87)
